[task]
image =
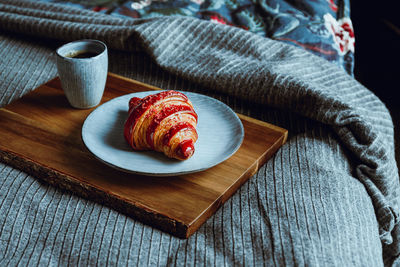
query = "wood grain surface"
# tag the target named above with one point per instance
(41, 135)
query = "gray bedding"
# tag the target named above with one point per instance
(328, 197)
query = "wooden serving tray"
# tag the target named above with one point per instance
(41, 135)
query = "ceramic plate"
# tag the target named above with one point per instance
(219, 129)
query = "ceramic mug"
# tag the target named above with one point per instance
(82, 66)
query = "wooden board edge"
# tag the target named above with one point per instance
(283, 131)
(126, 79)
(91, 193)
(113, 75)
(225, 196)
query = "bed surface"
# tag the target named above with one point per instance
(328, 197)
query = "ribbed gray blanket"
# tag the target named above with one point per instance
(329, 197)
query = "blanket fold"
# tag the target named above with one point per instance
(250, 67)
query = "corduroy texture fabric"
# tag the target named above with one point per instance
(328, 197)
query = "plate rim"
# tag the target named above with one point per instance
(166, 174)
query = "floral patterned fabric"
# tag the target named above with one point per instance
(322, 27)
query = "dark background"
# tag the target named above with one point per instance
(377, 53)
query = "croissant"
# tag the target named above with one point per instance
(164, 122)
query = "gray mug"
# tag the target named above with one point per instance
(82, 67)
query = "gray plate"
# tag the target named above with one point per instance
(219, 128)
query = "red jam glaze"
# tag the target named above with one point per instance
(175, 129)
(164, 113)
(141, 106)
(185, 149)
(133, 102)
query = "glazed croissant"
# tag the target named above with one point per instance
(164, 122)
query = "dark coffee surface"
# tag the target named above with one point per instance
(82, 54)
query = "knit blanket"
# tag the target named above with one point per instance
(328, 197)
(322, 27)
